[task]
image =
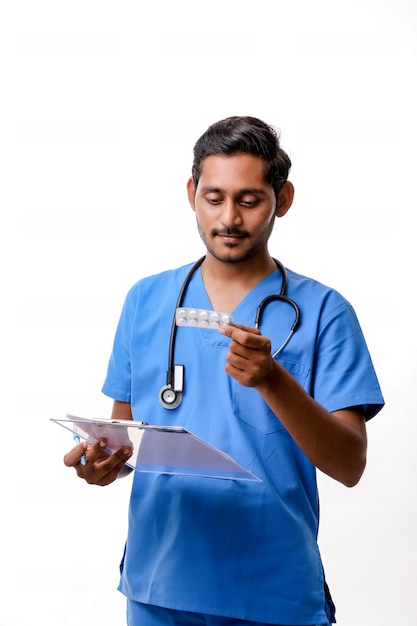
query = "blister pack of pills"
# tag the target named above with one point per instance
(202, 318)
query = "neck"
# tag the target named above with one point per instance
(253, 269)
(228, 283)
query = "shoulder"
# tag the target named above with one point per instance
(311, 288)
(160, 283)
(319, 301)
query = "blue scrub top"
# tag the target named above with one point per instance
(234, 548)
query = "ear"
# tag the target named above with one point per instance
(191, 193)
(285, 198)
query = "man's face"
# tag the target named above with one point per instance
(235, 206)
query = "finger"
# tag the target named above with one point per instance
(119, 457)
(105, 471)
(72, 458)
(247, 329)
(97, 457)
(236, 362)
(245, 336)
(96, 451)
(244, 342)
(230, 329)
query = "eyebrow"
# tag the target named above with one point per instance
(246, 190)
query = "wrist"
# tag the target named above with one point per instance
(271, 380)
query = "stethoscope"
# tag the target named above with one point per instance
(170, 395)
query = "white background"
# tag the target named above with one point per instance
(101, 105)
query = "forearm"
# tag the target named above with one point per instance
(336, 443)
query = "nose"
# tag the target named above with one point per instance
(230, 215)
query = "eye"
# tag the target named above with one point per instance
(249, 203)
(211, 199)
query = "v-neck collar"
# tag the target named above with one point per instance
(245, 311)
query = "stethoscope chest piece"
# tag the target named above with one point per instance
(169, 398)
(170, 395)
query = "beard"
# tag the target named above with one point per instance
(230, 252)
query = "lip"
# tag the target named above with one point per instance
(230, 239)
(230, 236)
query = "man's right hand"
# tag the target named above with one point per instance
(99, 468)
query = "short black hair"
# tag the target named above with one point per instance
(244, 135)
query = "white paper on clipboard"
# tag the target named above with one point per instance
(159, 449)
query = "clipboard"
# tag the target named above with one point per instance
(159, 449)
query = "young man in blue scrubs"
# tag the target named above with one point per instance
(214, 552)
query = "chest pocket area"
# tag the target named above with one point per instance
(251, 409)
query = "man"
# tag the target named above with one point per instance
(213, 551)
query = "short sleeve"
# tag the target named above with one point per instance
(344, 375)
(117, 383)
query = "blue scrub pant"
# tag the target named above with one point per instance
(139, 614)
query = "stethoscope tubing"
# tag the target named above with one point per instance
(170, 375)
(174, 327)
